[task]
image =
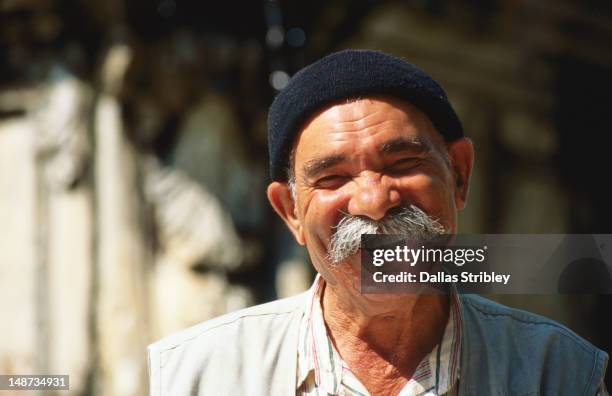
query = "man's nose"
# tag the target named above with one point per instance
(373, 197)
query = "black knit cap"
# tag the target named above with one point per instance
(346, 74)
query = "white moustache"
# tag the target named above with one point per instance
(411, 222)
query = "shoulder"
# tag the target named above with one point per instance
(275, 311)
(208, 355)
(529, 350)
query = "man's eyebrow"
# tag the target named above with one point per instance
(318, 165)
(401, 144)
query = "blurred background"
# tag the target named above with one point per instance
(133, 158)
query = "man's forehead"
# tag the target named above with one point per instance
(404, 124)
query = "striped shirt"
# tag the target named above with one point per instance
(321, 370)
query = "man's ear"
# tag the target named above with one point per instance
(461, 152)
(281, 200)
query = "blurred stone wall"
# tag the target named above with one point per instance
(103, 248)
(132, 206)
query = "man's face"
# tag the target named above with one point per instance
(364, 158)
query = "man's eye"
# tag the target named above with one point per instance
(404, 164)
(331, 181)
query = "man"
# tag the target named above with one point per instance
(362, 142)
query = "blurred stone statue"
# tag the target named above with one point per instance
(198, 245)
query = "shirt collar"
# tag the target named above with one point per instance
(316, 354)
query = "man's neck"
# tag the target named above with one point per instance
(385, 341)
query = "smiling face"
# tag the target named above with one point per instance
(365, 157)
